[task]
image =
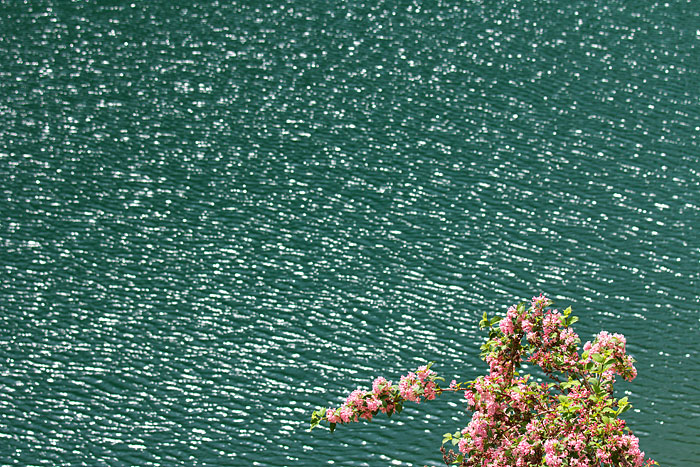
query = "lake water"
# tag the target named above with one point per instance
(215, 217)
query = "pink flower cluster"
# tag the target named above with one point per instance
(572, 421)
(414, 385)
(521, 422)
(385, 397)
(496, 407)
(611, 346)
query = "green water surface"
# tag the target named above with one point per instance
(216, 216)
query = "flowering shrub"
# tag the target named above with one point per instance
(383, 398)
(573, 420)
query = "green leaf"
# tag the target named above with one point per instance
(317, 417)
(569, 384)
(484, 321)
(597, 388)
(598, 357)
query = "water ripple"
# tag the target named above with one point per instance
(217, 217)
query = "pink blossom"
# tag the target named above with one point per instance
(429, 391)
(332, 417)
(520, 422)
(407, 385)
(552, 460)
(524, 448)
(602, 455)
(389, 407)
(346, 413)
(380, 385)
(353, 400)
(463, 445)
(373, 403)
(540, 302)
(470, 398)
(423, 372)
(506, 326)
